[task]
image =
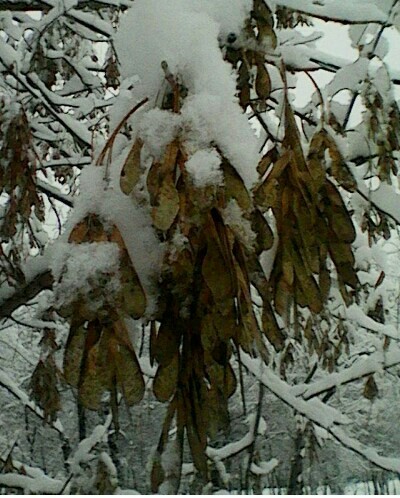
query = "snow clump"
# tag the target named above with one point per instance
(79, 269)
(204, 168)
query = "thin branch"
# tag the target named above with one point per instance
(54, 194)
(379, 209)
(22, 396)
(252, 447)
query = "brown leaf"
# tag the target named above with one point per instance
(166, 205)
(73, 354)
(167, 343)
(97, 371)
(133, 298)
(166, 379)
(338, 215)
(371, 390)
(263, 82)
(157, 473)
(267, 194)
(129, 376)
(90, 229)
(217, 276)
(264, 235)
(234, 187)
(267, 160)
(131, 170)
(153, 341)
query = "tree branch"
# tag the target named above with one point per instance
(42, 6)
(361, 369)
(317, 412)
(24, 294)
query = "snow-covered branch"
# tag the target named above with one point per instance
(43, 6)
(21, 296)
(317, 412)
(352, 12)
(374, 363)
(19, 394)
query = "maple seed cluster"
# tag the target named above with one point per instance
(205, 309)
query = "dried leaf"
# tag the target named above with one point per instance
(371, 390)
(73, 354)
(133, 298)
(263, 82)
(166, 208)
(167, 343)
(234, 187)
(129, 376)
(97, 371)
(217, 276)
(157, 473)
(90, 229)
(264, 235)
(166, 379)
(131, 170)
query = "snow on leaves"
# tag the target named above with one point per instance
(99, 356)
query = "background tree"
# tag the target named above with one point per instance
(172, 218)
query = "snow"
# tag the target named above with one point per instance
(384, 197)
(12, 387)
(157, 129)
(211, 119)
(204, 168)
(233, 217)
(353, 312)
(42, 485)
(80, 268)
(82, 453)
(186, 35)
(133, 221)
(264, 468)
(353, 11)
(362, 368)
